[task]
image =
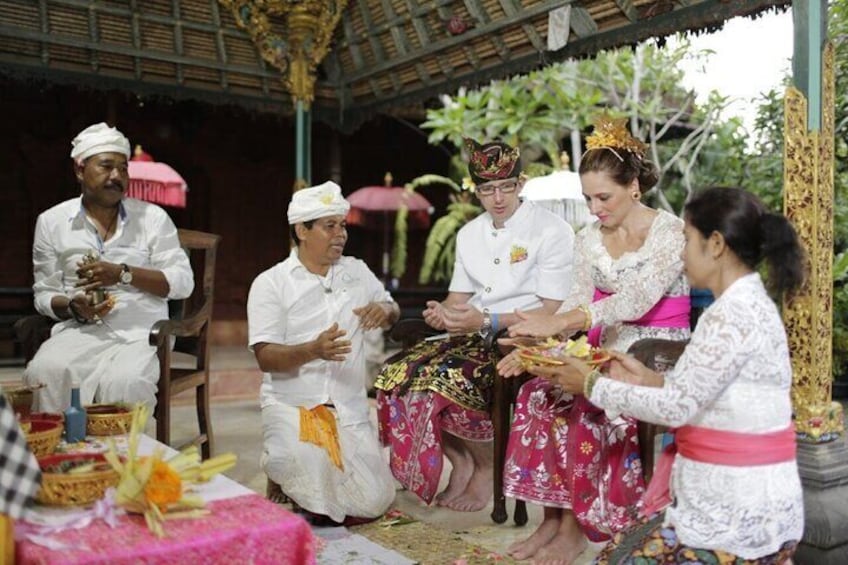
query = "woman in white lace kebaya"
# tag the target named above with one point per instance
(735, 494)
(564, 453)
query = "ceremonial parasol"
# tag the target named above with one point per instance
(154, 181)
(561, 193)
(376, 206)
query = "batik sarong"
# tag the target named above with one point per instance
(652, 543)
(435, 387)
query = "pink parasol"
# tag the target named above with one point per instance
(386, 201)
(155, 182)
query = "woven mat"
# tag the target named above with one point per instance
(425, 543)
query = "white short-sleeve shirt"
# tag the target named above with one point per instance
(288, 305)
(515, 266)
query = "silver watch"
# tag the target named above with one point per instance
(486, 326)
(126, 276)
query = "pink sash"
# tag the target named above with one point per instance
(669, 312)
(734, 449)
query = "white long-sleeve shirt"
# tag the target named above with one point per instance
(144, 237)
(735, 375)
(290, 305)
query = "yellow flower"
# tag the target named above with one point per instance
(164, 486)
(586, 448)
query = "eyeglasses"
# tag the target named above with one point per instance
(489, 189)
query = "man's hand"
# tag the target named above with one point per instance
(434, 315)
(98, 274)
(329, 346)
(463, 318)
(89, 312)
(375, 315)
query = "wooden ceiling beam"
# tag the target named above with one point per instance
(220, 44)
(402, 41)
(513, 7)
(418, 12)
(447, 43)
(423, 33)
(374, 41)
(178, 39)
(355, 51)
(627, 8)
(478, 12)
(44, 23)
(65, 41)
(94, 36)
(135, 30)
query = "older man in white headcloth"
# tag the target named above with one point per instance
(98, 245)
(306, 317)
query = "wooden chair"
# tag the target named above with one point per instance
(189, 322)
(410, 331)
(658, 355)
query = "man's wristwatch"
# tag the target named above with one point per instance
(126, 275)
(486, 326)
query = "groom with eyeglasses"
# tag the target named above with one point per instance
(436, 398)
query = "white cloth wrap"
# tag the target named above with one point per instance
(317, 202)
(99, 138)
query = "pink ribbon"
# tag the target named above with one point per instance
(734, 449)
(669, 312)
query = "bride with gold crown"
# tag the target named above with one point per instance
(579, 462)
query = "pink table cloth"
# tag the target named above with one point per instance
(244, 529)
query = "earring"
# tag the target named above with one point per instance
(637, 195)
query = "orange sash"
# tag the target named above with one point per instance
(318, 426)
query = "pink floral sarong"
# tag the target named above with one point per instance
(565, 452)
(435, 387)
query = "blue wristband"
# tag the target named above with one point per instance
(495, 325)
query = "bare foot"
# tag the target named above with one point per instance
(527, 548)
(477, 493)
(565, 547)
(463, 468)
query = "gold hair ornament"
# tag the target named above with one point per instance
(613, 134)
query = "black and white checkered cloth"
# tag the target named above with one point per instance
(19, 472)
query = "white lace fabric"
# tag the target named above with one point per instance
(638, 280)
(735, 375)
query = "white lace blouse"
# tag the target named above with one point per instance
(735, 375)
(638, 280)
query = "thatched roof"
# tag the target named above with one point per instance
(387, 55)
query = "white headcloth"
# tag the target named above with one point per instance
(99, 138)
(317, 202)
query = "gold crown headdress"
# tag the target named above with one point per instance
(613, 134)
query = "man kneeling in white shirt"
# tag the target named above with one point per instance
(307, 317)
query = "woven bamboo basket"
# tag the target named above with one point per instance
(74, 489)
(43, 436)
(108, 419)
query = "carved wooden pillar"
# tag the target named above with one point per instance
(808, 203)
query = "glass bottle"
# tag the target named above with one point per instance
(75, 418)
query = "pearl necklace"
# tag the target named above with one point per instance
(327, 289)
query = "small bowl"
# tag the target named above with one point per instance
(108, 419)
(20, 397)
(43, 436)
(60, 486)
(47, 417)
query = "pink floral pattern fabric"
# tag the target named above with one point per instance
(245, 529)
(565, 452)
(412, 425)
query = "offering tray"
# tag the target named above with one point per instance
(553, 352)
(74, 479)
(108, 419)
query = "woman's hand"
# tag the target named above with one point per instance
(570, 376)
(628, 369)
(510, 365)
(536, 325)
